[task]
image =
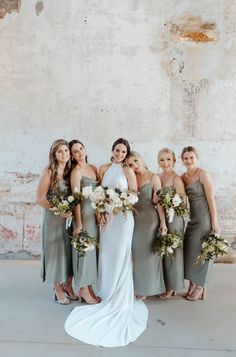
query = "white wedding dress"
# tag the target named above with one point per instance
(119, 318)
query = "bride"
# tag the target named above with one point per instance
(119, 318)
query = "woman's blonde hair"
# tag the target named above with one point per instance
(167, 151)
(138, 156)
(53, 164)
(189, 149)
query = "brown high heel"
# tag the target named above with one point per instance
(190, 289)
(67, 288)
(140, 297)
(91, 300)
(199, 293)
(93, 294)
(62, 301)
(168, 294)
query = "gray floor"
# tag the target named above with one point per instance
(31, 323)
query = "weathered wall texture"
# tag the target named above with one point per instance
(160, 73)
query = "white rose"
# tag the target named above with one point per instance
(98, 194)
(88, 247)
(170, 250)
(176, 200)
(70, 199)
(132, 199)
(109, 208)
(87, 191)
(65, 202)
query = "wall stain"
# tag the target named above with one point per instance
(6, 233)
(38, 7)
(9, 6)
(24, 178)
(193, 29)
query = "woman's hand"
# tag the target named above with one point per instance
(163, 229)
(101, 219)
(77, 230)
(66, 215)
(216, 228)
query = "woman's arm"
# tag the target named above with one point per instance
(206, 180)
(102, 171)
(43, 187)
(131, 178)
(156, 185)
(75, 180)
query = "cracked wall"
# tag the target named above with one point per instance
(161, 73)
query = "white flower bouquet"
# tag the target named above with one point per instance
(173, 203)
(83, 242)
(65, 202)
(166, 244)
(213, 246)
(107, 200)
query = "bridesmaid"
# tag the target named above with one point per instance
(84, 268)
(56, 247)
(203, 213)
(147, 267)
(173, 265)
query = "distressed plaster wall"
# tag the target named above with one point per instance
(160, 73)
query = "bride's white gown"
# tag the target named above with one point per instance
(119, 318)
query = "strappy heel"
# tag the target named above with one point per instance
(88, 298)
(190, 289)
(168, 294)
(62, 301)
(67, 288)
(199, 293)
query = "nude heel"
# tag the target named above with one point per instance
(199, 293)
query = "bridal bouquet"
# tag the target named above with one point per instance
(65, 202)
(213, 246)
(167, 243)
(106, 200)
(83, 242)
(173, 203)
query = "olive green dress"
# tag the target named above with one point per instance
(147, 267)
(56, 261)
(174, 263)
(85, 268)
(198, 227)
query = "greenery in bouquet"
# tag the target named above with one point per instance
(213, 246)
(166, 244)
(172, 202)
(65, 201)
(83, 242)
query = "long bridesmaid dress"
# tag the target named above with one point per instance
(198, 227)
(85, 268)
(147, 267)
(56, 265)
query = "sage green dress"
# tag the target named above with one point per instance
(85, 268)
(147, 267)
(56, 261)
(174, 263)
(198, 227)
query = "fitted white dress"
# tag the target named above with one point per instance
(119, 319)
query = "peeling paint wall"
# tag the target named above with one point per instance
(160, 73)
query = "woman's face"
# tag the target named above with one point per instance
(135, 164)
(166, 161)
(78, 153)
(62, 154)
(119, 153)
(190, 160)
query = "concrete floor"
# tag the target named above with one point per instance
(32, 324)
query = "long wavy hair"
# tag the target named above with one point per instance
(136, 155)
(53, 164)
